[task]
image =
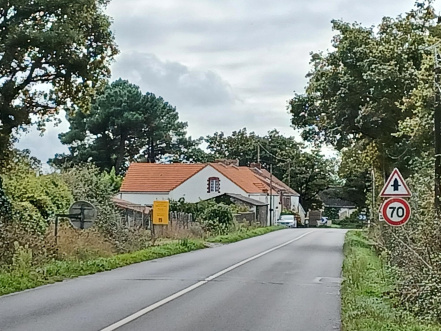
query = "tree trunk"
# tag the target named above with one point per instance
(121, 152)
(151, 155)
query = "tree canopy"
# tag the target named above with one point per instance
(53, 53)
(307, 172)
(358, 94)
(123, 125)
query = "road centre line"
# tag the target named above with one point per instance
(172, 297)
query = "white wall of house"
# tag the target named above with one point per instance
(295, 203)
(194, 189)
(275, 203)
(143, 198)
(345, 212)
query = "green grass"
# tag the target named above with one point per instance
(237, 236)
(26, 278)
(367, 280)
(23, 277)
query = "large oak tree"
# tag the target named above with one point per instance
(52, 55)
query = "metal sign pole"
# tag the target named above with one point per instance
(56, 230)
(82, 217)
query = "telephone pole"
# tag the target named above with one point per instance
(271, 194)
(437, 124)
(258, 153)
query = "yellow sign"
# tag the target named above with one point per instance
(160, 212)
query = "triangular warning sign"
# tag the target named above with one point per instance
(395, 186)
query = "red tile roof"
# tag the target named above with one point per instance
(278, 185)
(154, 177)
(242, 177)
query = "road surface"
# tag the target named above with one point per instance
(285, 280)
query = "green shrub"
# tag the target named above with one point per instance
(217, 219)
(33, 198)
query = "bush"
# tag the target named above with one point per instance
(34, 198)
(414, 249)
(88, 183)
(351, 222)
(217, 219)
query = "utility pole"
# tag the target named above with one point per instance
(437, 120)
(258, 153)
(271, 194)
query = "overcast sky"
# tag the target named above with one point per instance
(224, 64)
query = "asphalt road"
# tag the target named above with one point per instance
(285, 280)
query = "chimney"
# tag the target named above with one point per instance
(256, 165)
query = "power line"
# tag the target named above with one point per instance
(276, 157)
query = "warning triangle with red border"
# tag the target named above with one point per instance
(395, 186)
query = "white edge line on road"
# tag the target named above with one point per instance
(172, 297)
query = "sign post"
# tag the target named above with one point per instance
(160, 216)
(395, 211)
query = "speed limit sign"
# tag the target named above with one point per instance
(395, 211)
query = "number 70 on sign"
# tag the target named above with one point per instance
(396, 211)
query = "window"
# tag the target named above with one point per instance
(213, 185)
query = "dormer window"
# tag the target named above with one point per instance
(213, 185)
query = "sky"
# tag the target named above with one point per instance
(224, 65)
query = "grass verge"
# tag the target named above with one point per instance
(237, 236)
(367, 280)
(22, 277)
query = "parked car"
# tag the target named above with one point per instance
(287, 220)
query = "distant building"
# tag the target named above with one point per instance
(147, 182)
(331, 198)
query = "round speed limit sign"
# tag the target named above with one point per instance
(395, 211)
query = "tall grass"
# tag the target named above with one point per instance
(82, 253)
(23, 276)
(366, 305)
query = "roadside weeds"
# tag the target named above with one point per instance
(19, 279)
(367, 282)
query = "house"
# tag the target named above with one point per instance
(258, 210)
(331, 198)
(288, 199)
(147, 182)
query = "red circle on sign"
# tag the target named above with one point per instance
(391, 214)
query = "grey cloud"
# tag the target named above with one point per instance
(203, 122)
(222, 26)
(44, 146)
(175, 82)
(235, 63)
(204, 34)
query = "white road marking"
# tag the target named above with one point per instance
(172, 297)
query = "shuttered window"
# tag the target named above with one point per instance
(213, 185)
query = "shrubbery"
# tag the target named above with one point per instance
(414, 250)
(216, 219)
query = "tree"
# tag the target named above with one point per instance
(163, 133)
(306, 172)
(309, 174)
(241, 145)
(355, 94)
(123, 126)
(52, 55)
